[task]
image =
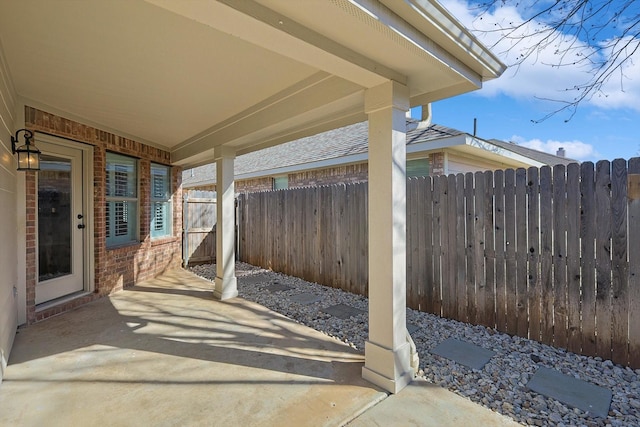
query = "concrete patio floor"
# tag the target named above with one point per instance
(166, 353)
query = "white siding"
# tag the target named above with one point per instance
(461, 164)
(8, 218)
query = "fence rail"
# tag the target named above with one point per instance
(551, 254)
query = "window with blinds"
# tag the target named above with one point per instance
(160, 201)
(121, 208)
(281, 182)
(417, 168)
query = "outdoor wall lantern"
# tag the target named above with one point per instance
(28, 154)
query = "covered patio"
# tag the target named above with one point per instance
(133, 91)
(163, 353)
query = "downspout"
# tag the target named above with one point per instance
(425, 119)
(415, 359)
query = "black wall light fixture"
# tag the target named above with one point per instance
(28, 154)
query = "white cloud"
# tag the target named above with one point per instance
(535, 77)
(575, 149)
(623, 89)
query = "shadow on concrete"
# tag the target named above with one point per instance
(169, 342)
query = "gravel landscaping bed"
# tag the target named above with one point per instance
(500, 385)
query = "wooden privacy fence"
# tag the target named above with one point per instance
(198, 230)
(317, 233)
(548, 254)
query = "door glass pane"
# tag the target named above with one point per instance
(54, 217)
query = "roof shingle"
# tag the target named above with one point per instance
(346, 141)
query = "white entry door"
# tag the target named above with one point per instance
(61, 222)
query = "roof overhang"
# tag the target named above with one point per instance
(475, 148)
(463, 144)
(192, 76)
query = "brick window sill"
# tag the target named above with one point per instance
(124, 246)
(164, 240)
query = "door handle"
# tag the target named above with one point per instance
(81, 226)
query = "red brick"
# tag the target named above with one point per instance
(114, 268)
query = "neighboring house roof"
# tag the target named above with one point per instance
(349, 145)
(541, 156)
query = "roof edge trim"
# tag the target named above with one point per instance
(436, 15)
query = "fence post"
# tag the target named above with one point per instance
(185, 229)
(633, 188)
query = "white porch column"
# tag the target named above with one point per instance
(387, 352)
(225, 284)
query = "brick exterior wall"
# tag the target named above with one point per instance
(336, 175)
(115, 268)
(253, 185)
(436, 164)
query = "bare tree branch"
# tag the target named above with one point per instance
(600, 36)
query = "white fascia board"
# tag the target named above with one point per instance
(481, 146)
(487, 147)
(437, 144)
(419, 39)
(449, 33)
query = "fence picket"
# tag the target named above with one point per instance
(445, 289)
(574, 341)
(500, 250)
(510, 244)
(326, 233)
(470, 252)
(479, 248)
(429, 250)
(533, 231)
(559, 257)
(620, 270)
(522, 299)
(633, 208)
(587, 249)
(460, 262)
(440, 266)
(546, 256)
(413, 246)
(363, 227)
(449, 279)
(603, 259)
(313, 246)
(489, 250)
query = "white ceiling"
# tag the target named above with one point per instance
(189, 76)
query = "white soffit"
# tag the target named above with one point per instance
(135, 67)
(193, 75)
(403, 35)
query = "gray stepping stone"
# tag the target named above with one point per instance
(254, 279)
(412, 328)
(277, 287)
(464, 353)
(571, 391)
(305, 298)
(342, 311)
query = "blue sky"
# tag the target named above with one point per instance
(605, 127)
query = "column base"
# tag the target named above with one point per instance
(225, 288)
(387, 368)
